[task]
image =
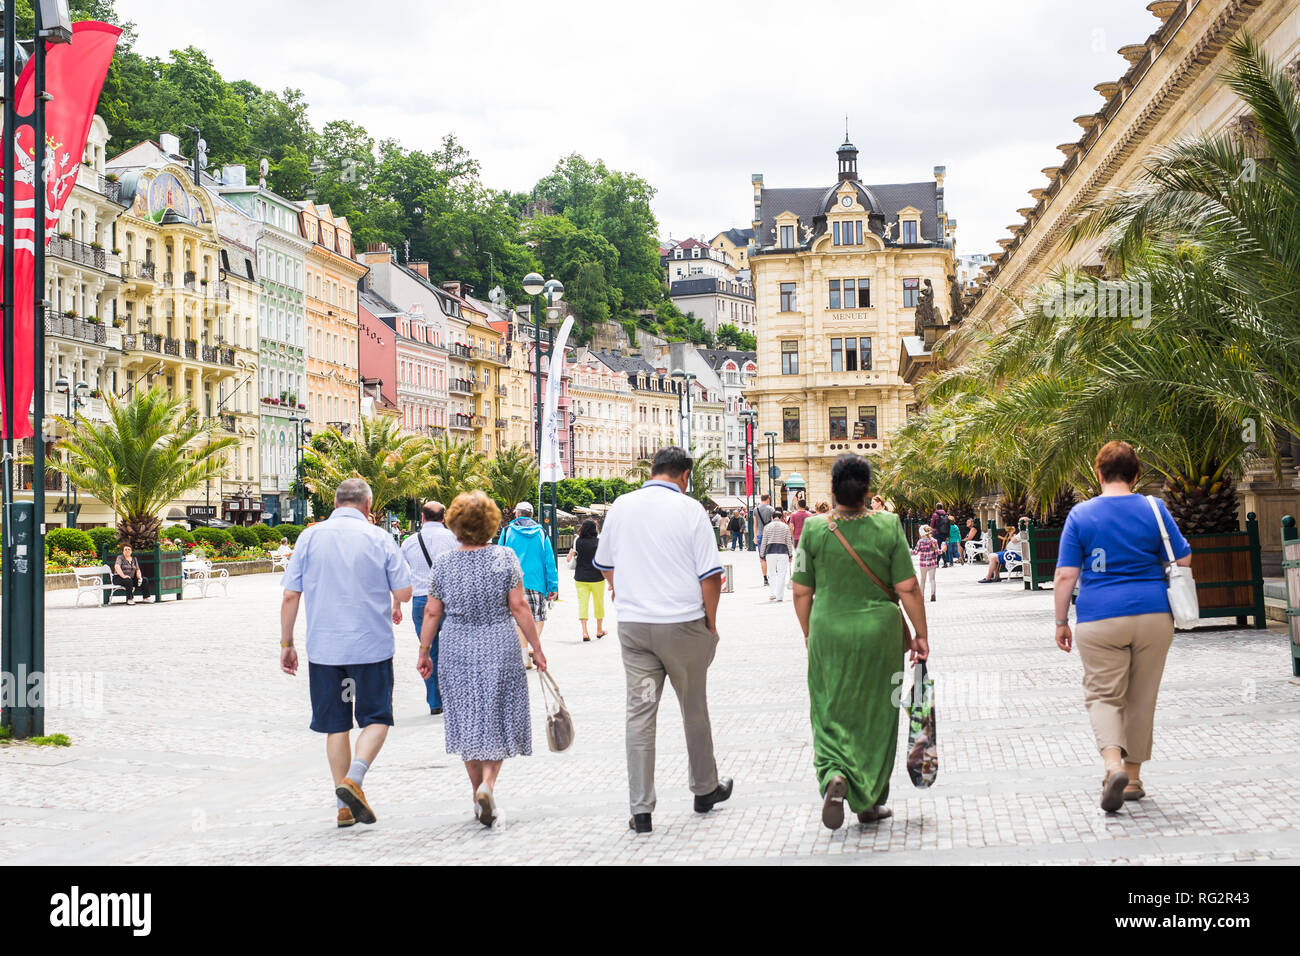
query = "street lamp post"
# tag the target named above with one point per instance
(749, 416)
(302, 431)
(73, 400)
(553, 289)
(22, 579)
(771, 463)
(684, 380)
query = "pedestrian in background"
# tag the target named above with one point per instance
(657, 554)
(737, 529)
(856, 640)
(587, 579)
(954, 543)
(352, 574)
(776, 551)
(528, 540)
(419, 550)
(939, 522)
(797, 519)
(478, 590)
(763, 514)
(927, 553)
(1122, 614)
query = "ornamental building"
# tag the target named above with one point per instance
(839, 271)
(333, 274)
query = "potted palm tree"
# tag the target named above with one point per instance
(152, 450)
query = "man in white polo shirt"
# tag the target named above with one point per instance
(659, 555)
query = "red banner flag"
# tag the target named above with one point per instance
(74, 75)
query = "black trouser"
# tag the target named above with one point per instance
(129, 585)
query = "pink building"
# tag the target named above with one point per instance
(418, 362)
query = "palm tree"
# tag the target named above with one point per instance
(394, 465)
(703, 468)
(640, 472)
(512, 476)
(453, 467)
(152, 450)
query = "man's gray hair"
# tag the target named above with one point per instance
(353, 491)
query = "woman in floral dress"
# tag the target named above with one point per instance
(479, 588)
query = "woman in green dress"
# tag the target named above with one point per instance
(856, 641)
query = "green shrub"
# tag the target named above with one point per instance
(230, 549)
(68, 540)
(103, 538)
(215, 537)
(290, 531)
(265, 533)
(246, 537)
(175, 533)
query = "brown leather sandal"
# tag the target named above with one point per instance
(874, 814)
(833, 805)
(1112, 790)
(1134, 790)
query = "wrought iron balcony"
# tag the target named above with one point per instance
(172, 347)
(58, 323)
(81, 252)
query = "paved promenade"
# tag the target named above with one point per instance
(190, 746)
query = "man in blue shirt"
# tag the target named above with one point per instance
(352, 573)
(526, 538)
(419, 550)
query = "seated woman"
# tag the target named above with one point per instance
(998, 559)
(127, 574)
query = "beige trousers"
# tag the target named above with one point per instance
(1123, 661)
(682, 653)
(924, 574)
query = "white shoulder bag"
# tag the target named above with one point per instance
(1179, 583)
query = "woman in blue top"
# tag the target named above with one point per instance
(1112, 546)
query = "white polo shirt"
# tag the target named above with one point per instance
(660, 546)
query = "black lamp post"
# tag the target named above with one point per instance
(553, 289)
(749, 417)
(302, 433)
(73, 400)
(771, 463)
(22, 576)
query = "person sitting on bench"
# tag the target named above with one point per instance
(127, 575)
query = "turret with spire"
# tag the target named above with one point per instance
(848, 157)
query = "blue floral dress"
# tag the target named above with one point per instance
(481, 673)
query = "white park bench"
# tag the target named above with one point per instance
(90, 580)
(977, 548)
(280, 562)
(200, 573)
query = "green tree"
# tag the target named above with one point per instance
(391, 463)
(151, 451)
(512, 477)
(731, 337)
(453, 467)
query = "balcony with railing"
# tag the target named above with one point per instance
(460, 386)
(86, 254)
(191, 349)
(96, 409)
(503, 391)
(458, 422)
(226, 356)
(489, 355)
(71, 327)
(140, 270)
(461, 351)
(502, 423)
(172, 347)
(480, 421)
(189, 281)
(227, 422)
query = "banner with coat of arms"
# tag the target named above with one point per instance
(74, 75)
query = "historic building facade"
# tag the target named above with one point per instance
(1172, 88)
(656, 400)
(838, 274)
(602, 409)
(271, 225)
(332, 273)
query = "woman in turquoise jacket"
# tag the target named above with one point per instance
(527, 539)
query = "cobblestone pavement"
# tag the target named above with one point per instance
(190, 746)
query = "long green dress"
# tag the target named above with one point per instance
(855, 651)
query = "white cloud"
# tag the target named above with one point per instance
(695, 97)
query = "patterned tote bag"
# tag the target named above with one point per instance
(922, 746)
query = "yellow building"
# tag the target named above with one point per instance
(656, 402)
(838, 272)
(1171, 88)
(603, 406)
(734, 244)
(332, 273)
(188, 303)
(488, 403)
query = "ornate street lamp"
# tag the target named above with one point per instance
(749, 417)
(553, 289)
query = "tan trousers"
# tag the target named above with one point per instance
(924, 574)
(1123, 661)
(682, 653)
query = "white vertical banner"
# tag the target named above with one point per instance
(552, 469)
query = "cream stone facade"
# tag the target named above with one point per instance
(332, 273)
(1171, 89)
(603, 406)
(838, 272)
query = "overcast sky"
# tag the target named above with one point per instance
(695, 96)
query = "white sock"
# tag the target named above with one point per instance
(358, 770)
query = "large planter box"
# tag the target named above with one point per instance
(1229, 574)
(161, 570)
(1291, 575)
(1041, 552)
